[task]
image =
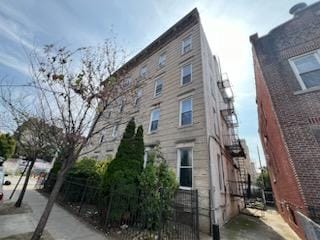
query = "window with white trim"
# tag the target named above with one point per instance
(186, 44)
(127, 82)
(143, 71)
(115, 131)
(162, 60)
(154, 120)
(185, 159)
(138, 97)
(307, 69)
(186, 112)
(101, 139)
(146, 158)
(186, 74)
(158, 83)
(121, 105)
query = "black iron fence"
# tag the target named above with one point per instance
(131, 216)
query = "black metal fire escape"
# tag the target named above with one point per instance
(233, 148)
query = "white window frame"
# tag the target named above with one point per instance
(127, 82)
(101, 139)
(162, 60)
(183, 44)
(145, 72)
(180, 112)
(316, 53)
(145, 156)
(138, 97)
(122, 105)
(151, 120)
(155, 87)
(179, 166)
(115, 130)
(181, 74)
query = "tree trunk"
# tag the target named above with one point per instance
(15, 187)
(25, 185)
(46, 213)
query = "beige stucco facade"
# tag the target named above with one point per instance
(212, 167)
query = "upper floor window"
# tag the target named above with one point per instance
(101, 139)
(185, 167)
(115, 131)
(162, 60)
(127, 82)
(186, 74)
(186, 44)
(307, 70)
(186, 112)
(121, 105)
(138, 97)
(158, 83)
(143, 71)
(154, 120)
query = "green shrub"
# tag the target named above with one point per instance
(158, 185)
(122, 173)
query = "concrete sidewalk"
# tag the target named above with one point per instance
(61, 225)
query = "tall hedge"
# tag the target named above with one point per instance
(122, 173)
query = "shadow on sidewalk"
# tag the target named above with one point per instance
(245, 227)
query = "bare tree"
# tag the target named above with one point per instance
(77, 88)
(73, 91)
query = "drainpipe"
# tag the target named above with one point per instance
(212, 191)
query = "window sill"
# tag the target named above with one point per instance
(185, 188)
(156, 97)
(308, 90)
(185, 53)
(153, 132)
(186, 84)
(186, 126)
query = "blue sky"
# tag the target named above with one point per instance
(75, 23)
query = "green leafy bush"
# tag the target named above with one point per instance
(7, 146)
(158, 185)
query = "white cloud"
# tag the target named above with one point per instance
(15, 63)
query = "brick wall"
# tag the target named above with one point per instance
(283, 178)
(287, 114)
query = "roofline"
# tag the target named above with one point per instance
(173, 32)
(255, 37)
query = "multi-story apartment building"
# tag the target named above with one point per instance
(287, 74)
(185, 106)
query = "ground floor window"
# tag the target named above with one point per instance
(185, 165)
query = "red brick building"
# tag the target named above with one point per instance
(287, 75)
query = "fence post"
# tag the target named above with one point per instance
(66, 190)
(108, 210)
(197, 214)
(215, 232)
(160, 214)
(83, 195)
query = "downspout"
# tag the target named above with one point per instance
(212, 191)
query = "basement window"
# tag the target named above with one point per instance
(307, 69)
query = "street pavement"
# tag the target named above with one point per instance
(61, 224)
